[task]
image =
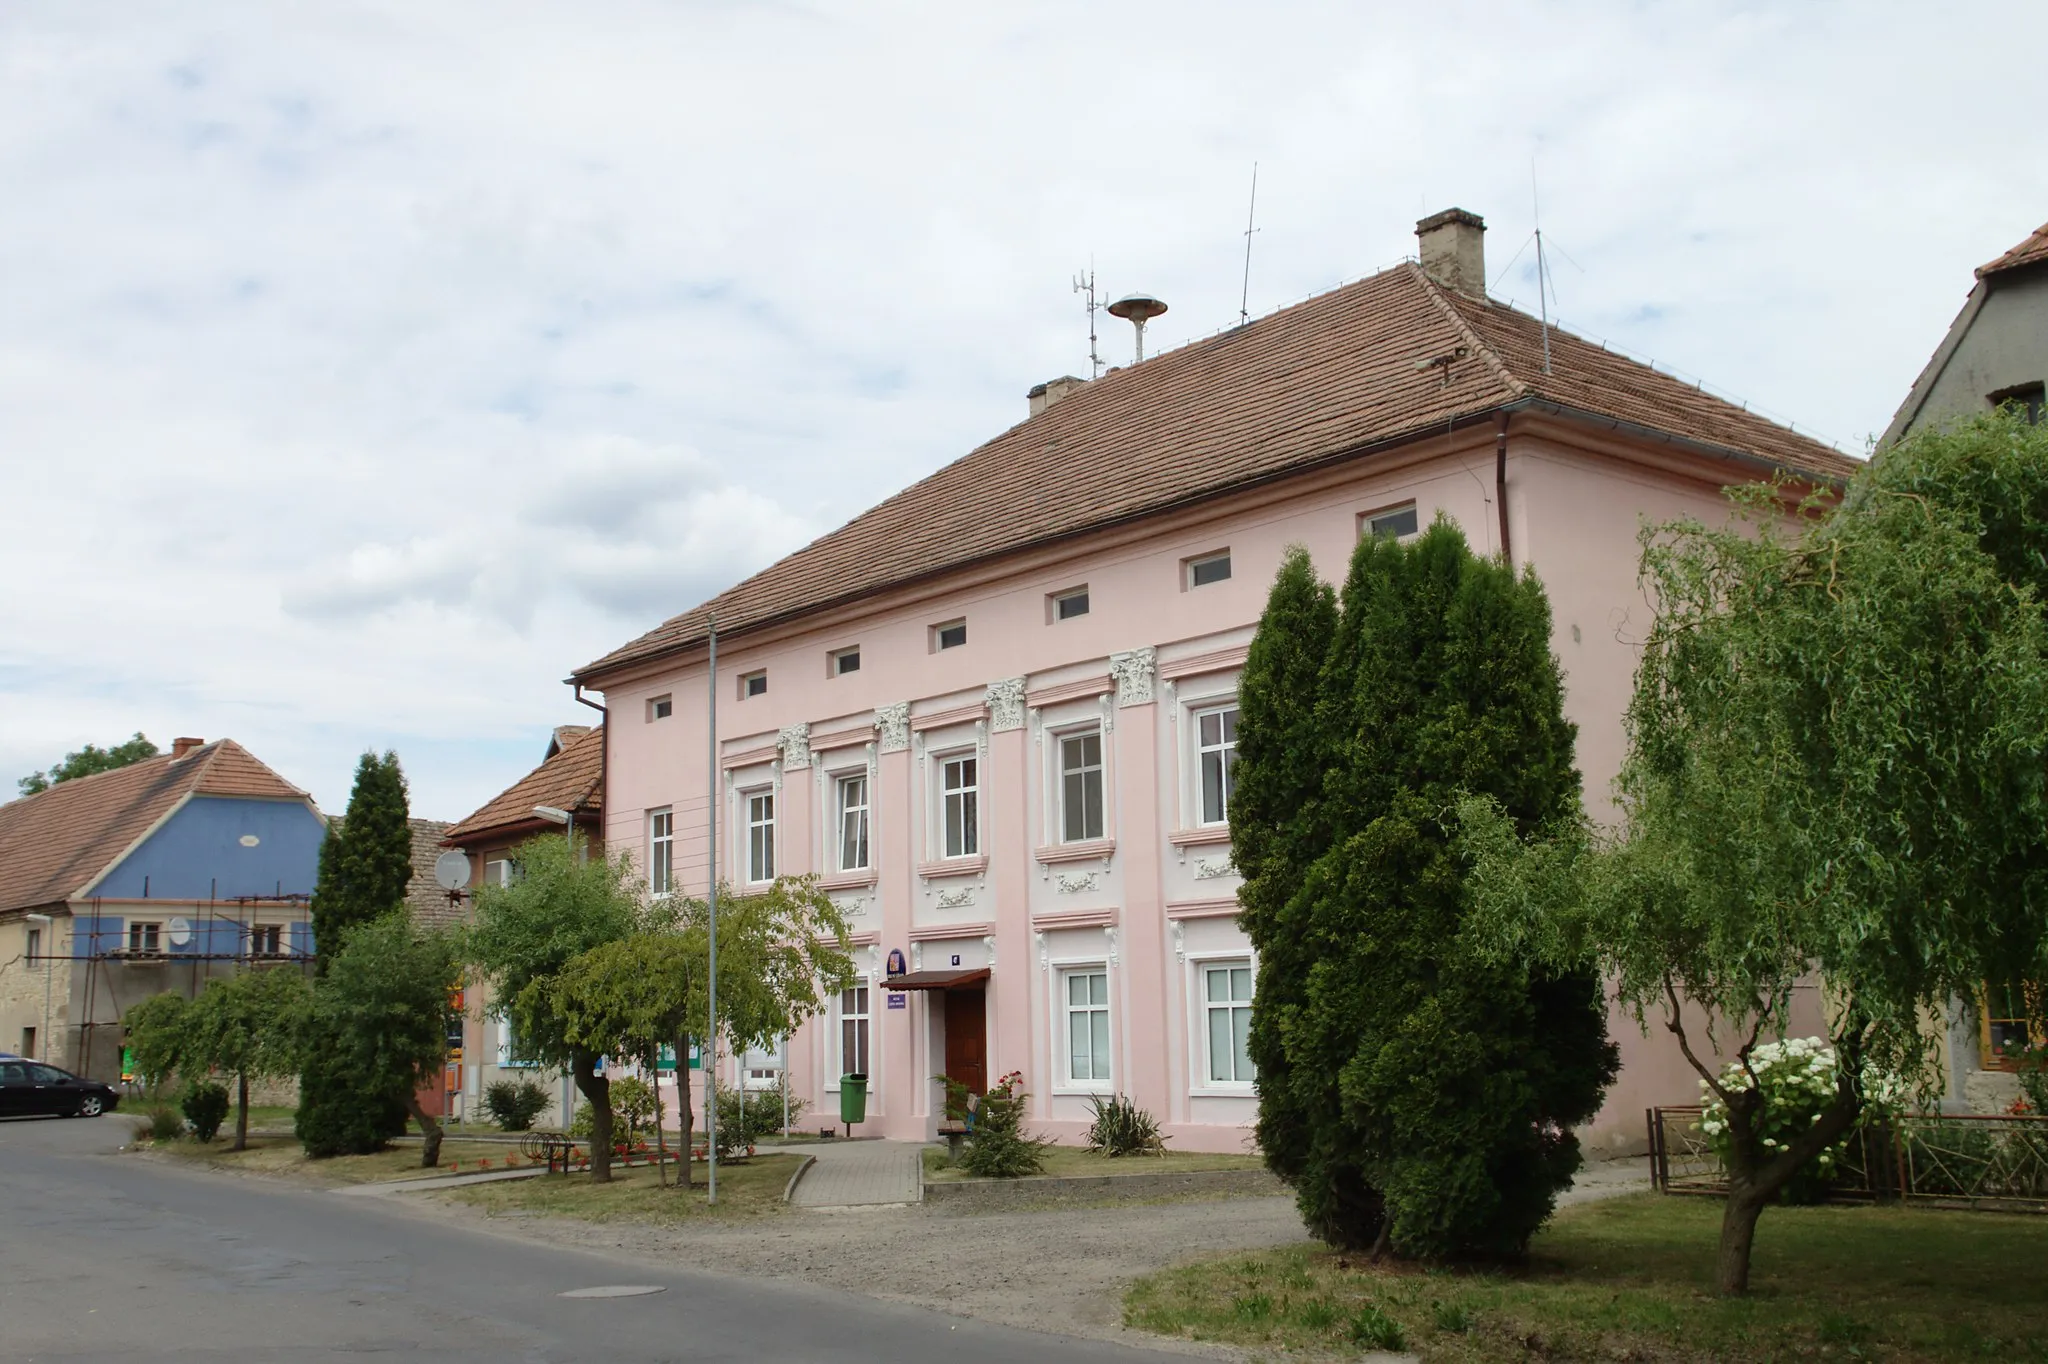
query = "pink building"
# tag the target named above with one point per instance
(996, 713)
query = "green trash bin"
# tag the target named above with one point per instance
(853, 1099)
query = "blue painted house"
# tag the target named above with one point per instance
(156, 876)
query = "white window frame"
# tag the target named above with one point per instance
(835, 660)
(1200, 965)
(1063, 1012)
(265, 934)
(939, 634)
(32, 944)
(837, 1041)
(942, 797)
(842, 782)
(661, 852)
(1197, 713)
(747, 681)
(1055, 603)
(1368, 522)
(1060, 739)
(753, 827)
(660, 707)
(504, 876)
(149, 932)
(1196, 561)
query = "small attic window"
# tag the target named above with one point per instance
(951, 635)
(1069, 604)
(2028, 398)
(1392, 523)
(754, 683)
(840, 662)
(661, 707)
(1204, 569)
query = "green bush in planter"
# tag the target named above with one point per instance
(998, 1147)
(1121, 1128)
(205, 1105)
(515, 1104)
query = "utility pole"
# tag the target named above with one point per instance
(709, 1051)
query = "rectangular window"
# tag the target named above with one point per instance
(28, 1042)
(761, 836)
(2030, 399)
(661, 851)
(1081, 787)
(1227, 1000)
(661, 707)
(35, 944)
(960, 790)
(1087, 1009)
(853, 822)
(753, 684)
(1216, 761)
(853, 1030)
(266, 940)
(1069, 604)
(1391, 524)
(1208, 568)
(843, 661)
(951, 635)
(508, 1045)
(2007, 1023)
(498, 872)
(143, 937)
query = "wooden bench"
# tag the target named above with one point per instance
(954, 1133)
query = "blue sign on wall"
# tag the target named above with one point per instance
(899, 1001)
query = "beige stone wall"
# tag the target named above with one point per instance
(22, 986)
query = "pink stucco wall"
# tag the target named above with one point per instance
(1153, 902)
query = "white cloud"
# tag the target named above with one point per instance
(366, 367)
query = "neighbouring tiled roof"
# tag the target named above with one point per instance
(423, 895)
(564, 736)
(568, 781)
(53, 845)
(1339, 372)
(2029, 252)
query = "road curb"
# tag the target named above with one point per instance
(994, 1193)
(789, 1189)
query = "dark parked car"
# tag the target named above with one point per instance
(30, 1088)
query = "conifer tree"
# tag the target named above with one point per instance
(1417, 1092)
(366, 863)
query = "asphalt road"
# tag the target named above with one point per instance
(105, 1256)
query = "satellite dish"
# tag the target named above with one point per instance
(451, 869)
(180, 931)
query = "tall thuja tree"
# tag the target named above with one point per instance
(366, 863)
(1276, 833)
(1837, 766)
(1426, 1086)
(387, 1001)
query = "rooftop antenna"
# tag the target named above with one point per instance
(1542, 272)
(1085, 284)
(1244, 299)
(1137, 309)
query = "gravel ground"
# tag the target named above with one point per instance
(1059, 1269)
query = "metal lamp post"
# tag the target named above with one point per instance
(49, 959)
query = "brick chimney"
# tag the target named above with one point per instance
(1452, 248)
(180, 747)
(1046, 394)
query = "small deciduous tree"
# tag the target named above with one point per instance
(560, 906)
(248, 1026)
(88, 761)
(156, 1035)
(1417, 1093)
(388, 1001)
(1837, 765)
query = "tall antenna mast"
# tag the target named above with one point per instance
(1542, 271)
(1244, 299)
(1085, 284)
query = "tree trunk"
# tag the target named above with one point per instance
(683, 1113)
(660, 1136)
(242, 1111)
(1738, 1235)
(1754, 1184)
(598, 1091)
(430, 1130)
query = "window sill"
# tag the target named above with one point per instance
(1219, 1091)
(1054, 853)
(1085, 1089)
(848, 880)
(953, 866)
(1200, 838)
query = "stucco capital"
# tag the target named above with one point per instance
(795, 743)
(1134, 672)
(1005, 700)
(892, 723)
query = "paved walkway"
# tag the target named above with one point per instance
(851, 1174)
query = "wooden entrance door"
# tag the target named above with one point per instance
(967, 1038)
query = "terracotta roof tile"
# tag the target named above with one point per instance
(54, 845)
(2029, 252)
(423, 895)
(568, 781)
(1337, 373)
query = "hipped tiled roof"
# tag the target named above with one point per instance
(56, 844)
(2032, 251)
(1341, 372)
(569, 780)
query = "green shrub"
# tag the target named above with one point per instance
(515, 1104)
(1375, 1330)
(205, 1105)
(160, 1122)
(344, 1111)
(749, 1118)
(632, 1106)
(998, 1148)
(1121, 1128)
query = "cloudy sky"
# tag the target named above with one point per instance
(365, 367)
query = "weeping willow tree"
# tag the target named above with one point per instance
(1837, 765)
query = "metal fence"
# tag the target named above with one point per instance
(1958, 1161)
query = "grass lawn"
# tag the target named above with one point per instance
(1072, 1162)
(282, 1155)
(1632, 1278)
(749, 1188)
